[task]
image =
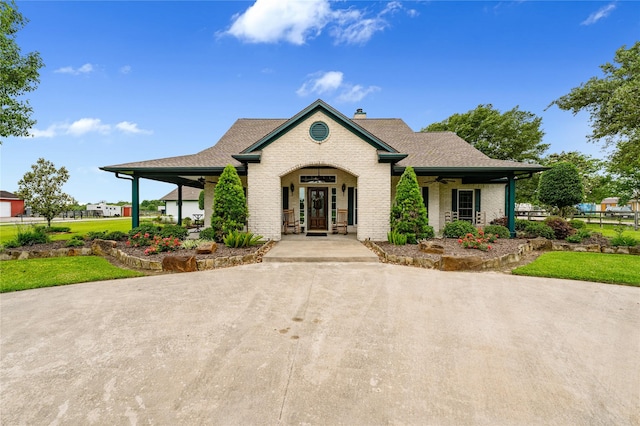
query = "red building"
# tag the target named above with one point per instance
(10, 204)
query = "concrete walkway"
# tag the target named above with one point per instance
(322, 343)
(331, 248)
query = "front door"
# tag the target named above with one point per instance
(465, 205)
(317, 202)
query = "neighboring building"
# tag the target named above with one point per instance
(320, 160)
(189, 202)
(10, 204)
(107, 210)
(613, 202)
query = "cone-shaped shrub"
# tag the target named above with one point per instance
(229, 204)
(408, 213)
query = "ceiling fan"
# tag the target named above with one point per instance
(202, 180)
(440, 179)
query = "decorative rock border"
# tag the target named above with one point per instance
(476, 263)
(109, 248)
(102, 248)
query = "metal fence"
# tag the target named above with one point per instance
(599, 217)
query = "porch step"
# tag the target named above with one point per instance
(319, 249)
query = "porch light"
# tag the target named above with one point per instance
(292, 188)
(344, 188)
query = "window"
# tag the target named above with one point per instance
(465, 205)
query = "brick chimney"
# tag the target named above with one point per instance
(360, 114)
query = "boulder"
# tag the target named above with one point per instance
(179, 264)
(461, 263)
(540, 244)
(431, 247)
(207, 248)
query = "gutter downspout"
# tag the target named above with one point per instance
(135, 199)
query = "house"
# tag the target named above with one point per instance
(320, 160)
(607, 203)
(107, 210)
(190, 206)
(10, 204)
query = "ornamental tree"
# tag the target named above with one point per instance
(18, 75)
(561, 187)
(201, 200)
(41, 189)
(408, 213)
(230, 210)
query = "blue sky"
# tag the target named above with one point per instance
(130, 81)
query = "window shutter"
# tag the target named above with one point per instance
(425, 197)
(285, 198)
(350, 205)
(477, 197)
(454, 200)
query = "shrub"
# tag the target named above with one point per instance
(95, 235)
(429, 232)
(575, 238)
(159, 244)
(30, 236)
(53, 229)
(577, 224)
(623, 240)
(538, 229)
(500, 231)
(561, 228)
(186, 222)
(229, 204)
(145, 228)
(458, 229)
(236, 239)
(116, 236)
(501, 221)
(396, 238)
(140, 240)
(478, 242)
(75, 241)
(521, 224)
(175, 231)
(408, 213)
(208, 234)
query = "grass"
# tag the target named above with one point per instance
(609, 232)
(36, 273)
(79, 227)
(598, 267)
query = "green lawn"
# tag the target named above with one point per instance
(80, 227)
(609, 232)
(35, 273)
(598, 267)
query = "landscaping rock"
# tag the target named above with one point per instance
(540, 244)
(461, 263)
(207, 248)
(103, 247)
(431, 247)
(179, 264)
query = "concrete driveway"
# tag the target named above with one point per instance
(325, 343)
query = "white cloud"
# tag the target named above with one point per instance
(84, 69)
(270, 21)
(128, 127)
(125, 69)
(87, 125)
(295, 21)
(356, 93)
(601, 13)
(321, 83)
(332, 82)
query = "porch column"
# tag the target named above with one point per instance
(135, 201)
(179, 204)
(511, 205)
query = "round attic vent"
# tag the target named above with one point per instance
(319, 131)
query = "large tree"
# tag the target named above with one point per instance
(594, 182)
(18, 75)
(561, 187)
(513, 135)
(613, 102)
(41, 189)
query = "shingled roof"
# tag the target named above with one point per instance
(427, 152)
